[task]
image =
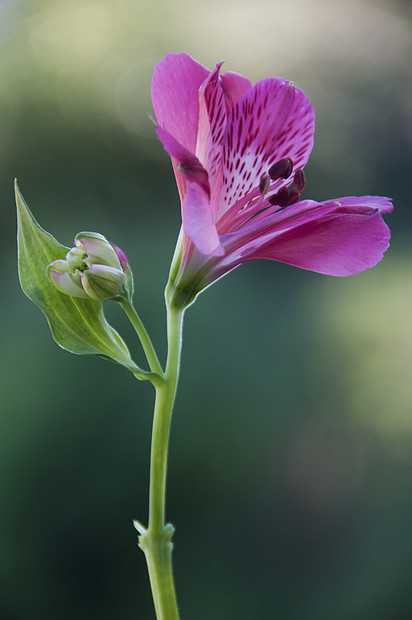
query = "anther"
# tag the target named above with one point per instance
(264, 183)
(282, 169)
(281, 197)
(299, 181)
(294, 196)
(284, 197)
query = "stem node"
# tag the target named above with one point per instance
(139, 527)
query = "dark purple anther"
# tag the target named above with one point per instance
(280, 198)
(299, 181)
(284, 197)
(264, 183)
(294, 196)
(282, 169)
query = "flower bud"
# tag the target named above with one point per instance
(64, 280)
(102, 282)
(93, 269)
(97, 249)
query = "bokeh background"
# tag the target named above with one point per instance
(291, 447)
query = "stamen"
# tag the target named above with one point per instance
(299, 181)
(284, 197)
(281, 169)
(294, 196)
(280, 198)
(264, 183)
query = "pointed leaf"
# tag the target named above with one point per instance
(77, 325)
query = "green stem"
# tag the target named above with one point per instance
(156, 540)
(143, 336)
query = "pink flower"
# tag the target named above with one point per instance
(238, 153)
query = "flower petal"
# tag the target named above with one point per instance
(102, 282)
(63, 282)
(98, 249)
(198, 222)
(175, 86)
(338, 238)
(339, 245)
(197, 217)
(234, 85)
(212, 124)
(381, 203)
(271, 121)
(187, 164)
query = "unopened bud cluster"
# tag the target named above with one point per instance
(93, 269)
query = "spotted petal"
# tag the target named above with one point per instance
(234, 85)
(212, 124)
(271, 121)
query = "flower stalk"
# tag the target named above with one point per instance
(156, 540)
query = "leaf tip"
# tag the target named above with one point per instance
(16, 189)
(20, 203)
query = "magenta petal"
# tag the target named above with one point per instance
(198, 221)
(379, 203)
(340, 245)
(271, 121)
(175, 85)
(345, 241)
(187, 163)
(234, 85)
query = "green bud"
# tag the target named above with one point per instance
(75, 258)
(97, 250)
(101, 282)
(65, 281)
(93, 269)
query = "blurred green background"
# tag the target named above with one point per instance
(291, 447)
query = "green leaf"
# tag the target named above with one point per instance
(77, 325)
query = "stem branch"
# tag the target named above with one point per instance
(143, 336)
